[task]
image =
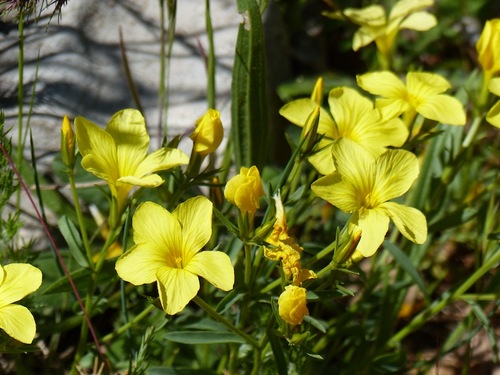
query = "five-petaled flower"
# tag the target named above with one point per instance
(167, 250)
(354, 117)
(118, 154)
(363, 185)
(376, 27)
(17, 280)
(422, 93)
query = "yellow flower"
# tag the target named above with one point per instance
(286, 249)
(375, 26)
(354, 117)
(493, 116)
(292, 304)
(118, 154)
(16, 281)
(167, 250)
(488, 47)
(423, 93)
(245, 189)
(67, 143)
(363, 185)
(208, 133)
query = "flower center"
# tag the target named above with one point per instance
(178, 262)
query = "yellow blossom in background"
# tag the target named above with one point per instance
(167, 251)
(377, 27)
(17, 280)
(488, 48)
(285, 248)
(493, 116)
(422, 93)
(292, 304)
(354, 117)
(118, 154)
(363, 185)
(208, 133)
(245, 189)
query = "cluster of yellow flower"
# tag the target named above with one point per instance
(360, 156)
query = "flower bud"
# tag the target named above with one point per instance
(67, 143)
(292, 304)
(208, 133)
(245, 189)
(488, 47)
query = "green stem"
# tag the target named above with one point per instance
(448, 298)
(248, 264)
(214, 314)
(109, 337)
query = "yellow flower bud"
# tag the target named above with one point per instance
(208, 133)
(67, 143)
(245, 189)
(488, 47)
(292, 304)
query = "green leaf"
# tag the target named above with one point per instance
(279, 355)
(249, 100)
(407, 265)
(73, 239)
(203, 337)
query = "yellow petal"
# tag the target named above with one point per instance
(384, 83)
(444, 109)
(19, 280)
(152, 180)
(213, 266)
(396, 170)
(298, 111)
(139, 264)
(363, 37)
(17, 322)
(487, 46)
(161, 160)
(373, 15)
(98, 149)
(128, 129)
(195, 217)
(374, 224)
(494, 86)
(292, 304)
(420, 21)
(322, 160)
(355, 164)
(410, 221)
(404, 7)
(348, 108)
(339, 193)
(377, 135)
(493, 116)
(425, 84)
(154, 225)
(176, 288)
